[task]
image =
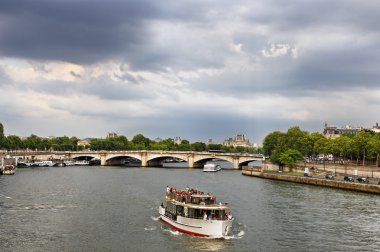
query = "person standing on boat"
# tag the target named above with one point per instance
(167, 189)
(205, 216)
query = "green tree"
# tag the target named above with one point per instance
(141, 142)
(290, 158)
(1, 130)
(374, 144)
(184, 146)
(271, 141)
(198, 146)
(2, 138)
(296, 139)
(310, 142)
(14, 143)
(343, 146)
(361, 141)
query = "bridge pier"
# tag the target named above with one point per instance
(103, 159)
(236, 163)
(144, 159)
(191, 160)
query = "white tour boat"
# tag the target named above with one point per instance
(211, 168)
(82, 162)
(195, 213)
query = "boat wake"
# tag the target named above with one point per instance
(237, 236)
(37, 207)
(172, 232)
(7, 197)
(154, 218)
(151, 228)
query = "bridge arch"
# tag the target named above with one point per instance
(123, 159)
(200, 162)
(158, 159)
(83, 156)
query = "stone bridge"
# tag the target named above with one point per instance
(147, 158)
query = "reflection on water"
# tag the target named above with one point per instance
(206, 244)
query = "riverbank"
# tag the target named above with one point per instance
(348, 169)
(317, 181)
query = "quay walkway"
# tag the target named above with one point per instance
(316, 179)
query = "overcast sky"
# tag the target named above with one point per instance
(196, 69)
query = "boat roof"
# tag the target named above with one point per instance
(210, 203)
(216, 206)
(201, 196)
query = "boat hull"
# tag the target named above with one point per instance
(211, 168)
(198, 227)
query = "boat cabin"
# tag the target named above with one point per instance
(195, 206)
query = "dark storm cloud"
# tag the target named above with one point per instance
(91, 31)
(321, 70)
(103, 87)
(74, 31)
(85, 32)
(296, 15)
(106, 88)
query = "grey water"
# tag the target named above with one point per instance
(115, 209)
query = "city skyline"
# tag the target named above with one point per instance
(195, 69)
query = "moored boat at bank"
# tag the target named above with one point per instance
(44, 163)
(195, 213)
(8, 170)
(69, 162)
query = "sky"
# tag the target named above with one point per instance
(196, 69)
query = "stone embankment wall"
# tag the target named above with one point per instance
(362, 171)
(368, 188)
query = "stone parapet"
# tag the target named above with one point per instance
(368, 188)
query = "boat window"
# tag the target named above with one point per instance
(179, 210)
(195, 200)
(191, 213)
(171, 207)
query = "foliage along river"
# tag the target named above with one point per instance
(115, 209)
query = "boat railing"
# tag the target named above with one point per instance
(209, 217)
(188, 199)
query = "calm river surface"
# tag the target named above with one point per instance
(115, 209)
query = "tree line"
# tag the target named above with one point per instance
(287, 148)
(138, 142)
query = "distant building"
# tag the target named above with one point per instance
(332, 132)
(84, 142)
(376, 128)
(178, 140)
(111, 134)
(238, 140)
(210, 142)
(158, 139)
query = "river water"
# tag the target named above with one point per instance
(115, 209)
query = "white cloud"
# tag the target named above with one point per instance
(278, 49)
(236, 47)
